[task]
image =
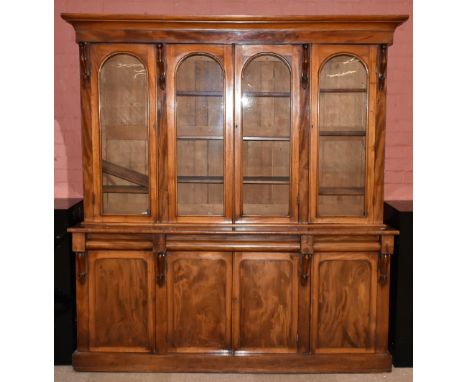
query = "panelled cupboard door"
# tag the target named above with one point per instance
(123, 119)
(199, 119)
(265, 303)
(343, 102)
(267, 117)
(121, 294)
(199, 286)
(345, 302)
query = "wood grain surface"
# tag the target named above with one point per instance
(345, 286)
(120, 301)
(235, 29)
(254, 363)
(199, 301)
(265, 302)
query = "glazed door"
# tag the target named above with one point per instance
(200, 152)
(122, 80)
(345, 308)
(266, 314)
(198, 293)
(267, 81)
(343, 114)
(120, 287)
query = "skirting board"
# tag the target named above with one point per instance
(317, 363)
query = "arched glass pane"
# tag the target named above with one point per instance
(266, 131)
(200, 137)
(123, 116)
(343, 131)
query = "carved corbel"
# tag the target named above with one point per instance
(382, 69)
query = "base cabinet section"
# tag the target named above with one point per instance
(345, 295)
(120, 286)
(199, 288)
(247, 311)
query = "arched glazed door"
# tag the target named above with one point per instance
(124, 171)
(343, 140)
(267, 118)
(199, 105)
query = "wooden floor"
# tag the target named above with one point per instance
(66, 374)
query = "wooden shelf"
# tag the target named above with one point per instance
(266, 94)
(193, 209)
(200, 94)
(200, 138)
(266, 180)
(279, 139)
(359, 191)
(343, 90)
(124, 173)
(201, 179)
(342, 133)
(115, 189)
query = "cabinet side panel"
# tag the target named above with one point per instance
(82, 311)
(383, 298)
(86, 137)
(380, 118)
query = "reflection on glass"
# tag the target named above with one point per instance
(200, 137)
(123, 103)
(266, 130)
(343, 130)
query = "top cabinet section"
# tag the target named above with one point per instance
(233, 119)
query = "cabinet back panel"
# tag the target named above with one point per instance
(343, 112)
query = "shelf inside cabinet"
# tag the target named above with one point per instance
(117, 189)
(343, 133)
(266, 180)
(193, 209)
(265, 138)
(341, 191)
(200, 138)
(267, 94)
(344, 90)
(196, 93)
(201, 179)
(124, 173)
